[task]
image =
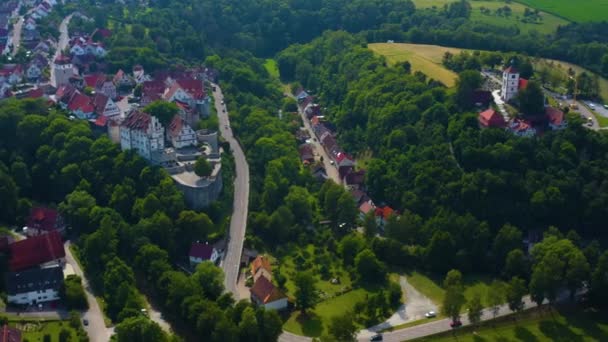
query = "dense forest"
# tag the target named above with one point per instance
(169, 31)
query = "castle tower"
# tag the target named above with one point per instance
(510, 83)
(62, 70)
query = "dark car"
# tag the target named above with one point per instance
(377, 337)
(85, 322)
(455, 324)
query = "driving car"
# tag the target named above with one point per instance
(455, 324)
(377, 337)
(430, 314)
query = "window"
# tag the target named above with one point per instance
(512, 76)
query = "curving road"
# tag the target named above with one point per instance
(238, 222)
(96, 329)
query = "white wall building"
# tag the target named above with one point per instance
(34, 286)
(142, 132)
(180, 133)
(510, 83)
(63, 69)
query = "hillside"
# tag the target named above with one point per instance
(592, 10)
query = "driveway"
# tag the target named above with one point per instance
(238, 221)
(415, 306)
(96, 329)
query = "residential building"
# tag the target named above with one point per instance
(106, 86)
(190, 91)
(43, 220)
(510, 83)
(143, 133)
(180, 133)
(260, 266)
(264, 293)
(104, 106)
(121, 79)
(491, 118)
(81, 106)
(365, 208)
(555, 118)
(306, 154)
(200, 252)
(382, 214)
(34, 286)
(522, 128)
(11, 73)
(39, 251)
(8, 334)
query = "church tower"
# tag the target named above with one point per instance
(510, 83)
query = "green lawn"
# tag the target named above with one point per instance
(430, 286)
(567, 325)
(35, 331)
(272, 67)
(316, 320)
(575, 10)
(548, 24)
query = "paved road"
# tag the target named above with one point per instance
(238, 222)
(16, 38)
(62, 43)
(332, 170)
(96, 329)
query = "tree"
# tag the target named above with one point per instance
(299, 201)
(495, 297)
(531, 99)
(454, 295)
(75, 298)
(475, 309)
(349, 247)
(515, 291)
(139, 329)
(370, 226)
(507, 239)
(516, 264)
(8, 198)
(191, 226)
(163, 111)
(210, 278)
(248, 327)
(77, 208)
(468, 81)
(342, 327)
(599, 281)
(202, 167)
(369, 268)
(306, 292)
(270, 324)
(347, 210)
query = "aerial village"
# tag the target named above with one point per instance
(74, 78)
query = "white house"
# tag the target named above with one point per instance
(180, 133)
(33, 71)
(78, 50)
(107, 87)
(105, 106)
(143, 133)
(510, 83)
(33, 286)
(264, 293)
(30, 24)
(200, 252)
(63, 69)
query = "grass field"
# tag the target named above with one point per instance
(315, 323)
(565, 325)
(424, 58)
(563, 66)
(271, 66)
(548, 24)
(575, 10)
(430, 286)
(34, 331)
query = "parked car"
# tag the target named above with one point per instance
(455, 324)
(430, 314)
(85, 322)
(377, 337)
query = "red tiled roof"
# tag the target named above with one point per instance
(260, 262)
(264, 291)
(365, 207)
(92, 79)
(201, 250)
(35, 93)
(99, 102)
(384, 212)
(36, 250)
(491, 118)
(511, 70)
(555, 116)
(175, 127)
(523, 83)
(61, 59)
(137, 121)
(43, 219)
(150, 88)
(192, 87)
(82, 102)
(101, 121)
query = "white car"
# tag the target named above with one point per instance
(430, 314)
